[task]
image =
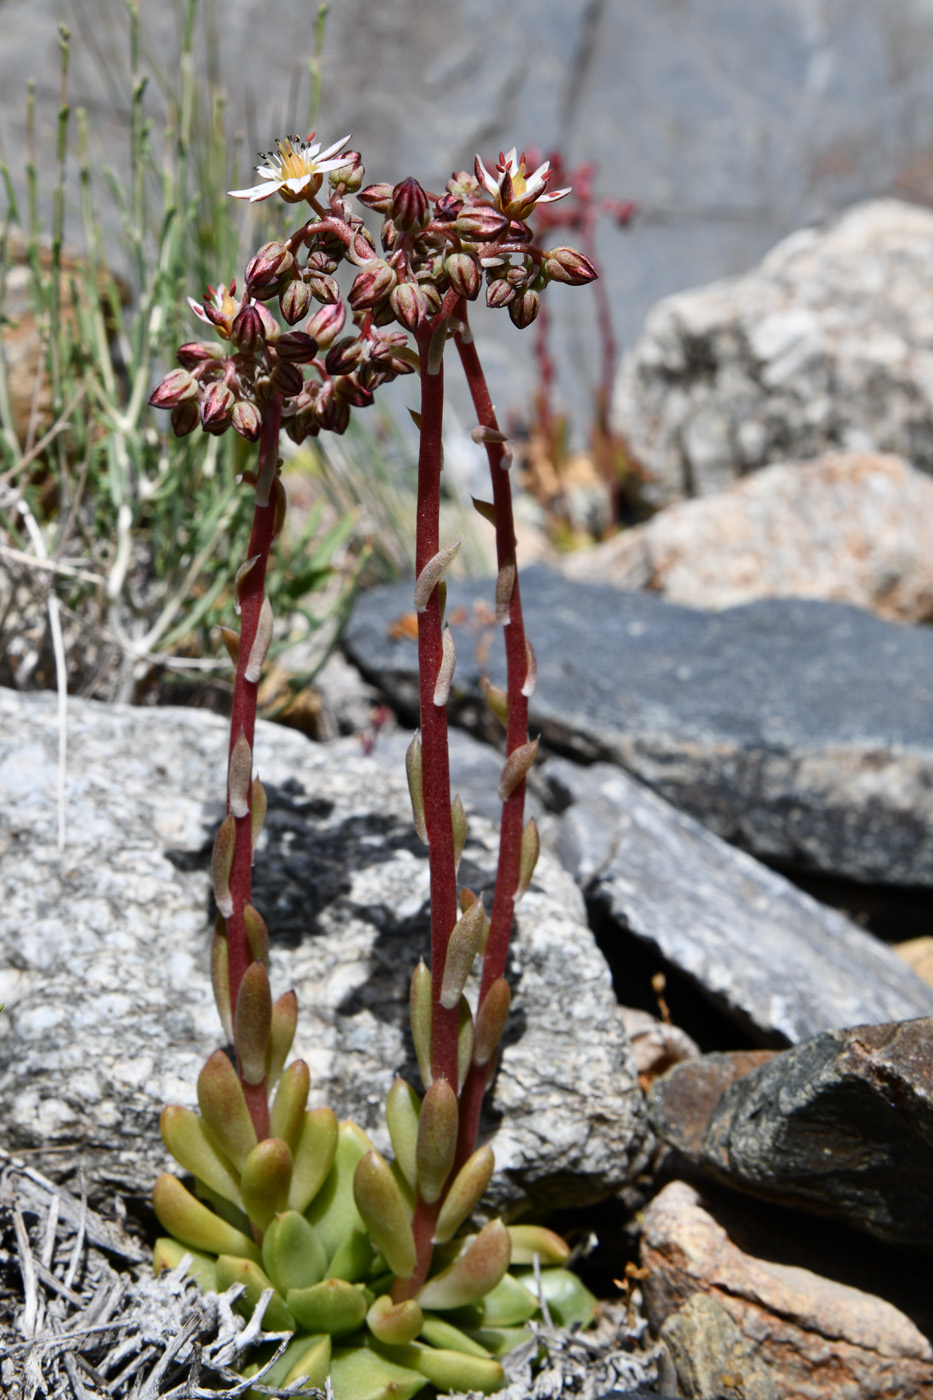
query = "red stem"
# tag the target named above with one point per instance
(513, 809)
(243, 721)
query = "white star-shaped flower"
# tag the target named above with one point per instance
(514, 192)
(295, 171)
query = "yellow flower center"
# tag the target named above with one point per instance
(294, 163)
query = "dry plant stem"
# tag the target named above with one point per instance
(243, 721)
(513, 808)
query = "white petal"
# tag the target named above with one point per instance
(482, 174)
(257, 192)
(332, 150)
(555, 194)
(198, 310)
(511, 160)
(296, 184)
(538, 176)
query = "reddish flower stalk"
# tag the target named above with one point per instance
(243, 722)
(513, 808)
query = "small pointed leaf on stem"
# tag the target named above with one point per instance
(265, 1180)
(505, 583)
(415, 418)
(474, 1274)
(222, 864)
(482, 434)
(240, 579)
(281, 1034)
(516, 768)
(224, 1109)
(433, 572)
(257, 809)
(414, 773)
(220, 976)
(313, 1157)
(491, 1019)
(531, 670)
(458, 820)
(436, 346)
(445, 673)
(185, 1137)
(240, 775)
(185, 1217)
(529, 1240)
(403, 1108)
(461, 953)
(421, 1009)
(528, 858)
(287, 1114)
(486, 509)
(466, 1192)
(497, 700)
(380, 1202)
(261, 642)
(231, 640)
(257, 934)
(437, 1139)
(280, 508)
(465, 1037)
(252, 1022)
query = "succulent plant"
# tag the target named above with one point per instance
(371, 1264)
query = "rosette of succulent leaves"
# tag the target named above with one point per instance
(371, 1264)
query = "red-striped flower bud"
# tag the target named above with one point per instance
(524, 309)
(348, 387)
(334, 414)
(247, 329)
(344, 356)
(464, 275)
(196, 355)
(447, 207)
(325, 325)
(185, 418)
(324, 290)
(217, 409)
(177, 387)
(296, 346)
(499, 293)
(567, 265)
(372, 285)
(287, 378)
(378, 197)
(295, 302)
(410, 208)
(479, 223)
(247, 420)
(408, 304)
(273, 262)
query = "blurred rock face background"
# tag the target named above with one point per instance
(729, 126)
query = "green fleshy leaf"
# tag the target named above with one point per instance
(506, 1305)
(356, 1373)
(353, 1258)
(313, 1158)
(448, 1370)
(499, 1341)
(194, 1224)
(438, 1333)
(292, 1254)
(168, 1254)
(473, 1274)
(308, 1356)
(333, 1211)
(333, 1306)
(568, 1299)
(277, 1317)
(225, 1209)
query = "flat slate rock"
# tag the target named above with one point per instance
(800, 730)
(841, 1125)
(104, 952)
(781, 965)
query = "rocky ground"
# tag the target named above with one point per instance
(721, 1059)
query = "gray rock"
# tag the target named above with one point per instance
(827, 344)
(800, 730)
(841, 1125)
(109, 1013)
(849, 527)
(781, 965)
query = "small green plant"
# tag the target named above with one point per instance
(370, 1263)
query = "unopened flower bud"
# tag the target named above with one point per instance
(296, 346)
(410, 208)
(273, 262)
(196, 354)
(247, 420)
(295, 302)
(480, 222)
(185, 418)
(408, 304)
(372, 285)
(287, 378)
(247, 329)
(325, 325)
(350, 174)
(499, 293)
(324, 290)
(447, 207)
(567, 265)
(335, 414)
(217, 409)
(524, 309)
(348, 387)
(177, 387)
(344, 355)
(464, 275)
(378, 197)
